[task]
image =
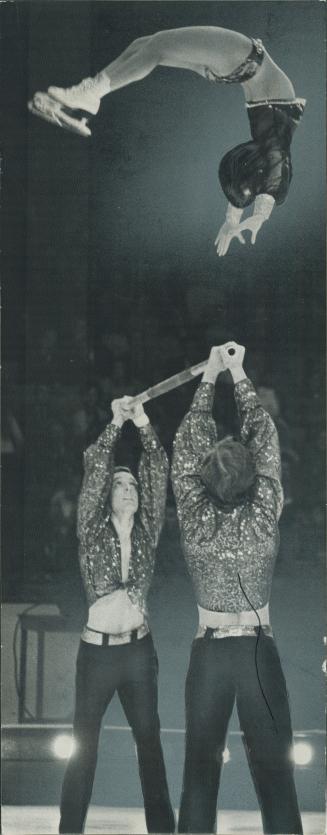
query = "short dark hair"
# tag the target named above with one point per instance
(125, 470)
(250, 169)
(228, 471)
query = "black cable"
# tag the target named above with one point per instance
(256, 653)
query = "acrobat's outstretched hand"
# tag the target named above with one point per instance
(227, 233)
(253, 224)
(225, 236)
(263, 206)
(234, 226)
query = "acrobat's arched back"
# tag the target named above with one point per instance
(258, 171)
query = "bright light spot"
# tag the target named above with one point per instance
(226, 755)
(302, 753)
(63, 746)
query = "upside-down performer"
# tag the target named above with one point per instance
(119, 522)
(229, 499)
(258, 171)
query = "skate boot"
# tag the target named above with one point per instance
(66, 108)
(83, 96)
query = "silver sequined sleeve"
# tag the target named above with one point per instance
(98, 474)
(195, 437)
(258, 431)
(152, 478)
(92, 503)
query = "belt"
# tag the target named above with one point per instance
(107, 639)
(232, 631)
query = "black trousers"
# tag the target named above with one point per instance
(132, 670)
(222, 670)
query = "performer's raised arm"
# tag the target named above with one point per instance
(259, 435)
(99, 462)
(152, 476)
(94, 500)
(195, 437)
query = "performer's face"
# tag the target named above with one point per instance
(124, 494)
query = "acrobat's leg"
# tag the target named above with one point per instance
(134, 64)
(190, 48)
(71, 107)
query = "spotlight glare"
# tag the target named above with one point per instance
(302, 753)
(63, 746)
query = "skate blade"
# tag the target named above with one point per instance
(52, 111)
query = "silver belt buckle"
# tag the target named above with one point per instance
(237, 631)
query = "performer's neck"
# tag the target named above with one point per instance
(123, 521)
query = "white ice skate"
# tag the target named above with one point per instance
(83, 96)
(65, 107)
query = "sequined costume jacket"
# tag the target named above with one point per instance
(99, 545)
(221, 542)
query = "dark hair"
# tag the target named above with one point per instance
(250, 169)
(228, 471)
(124, 470)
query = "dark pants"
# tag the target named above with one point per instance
(222, 670)
(132, 670)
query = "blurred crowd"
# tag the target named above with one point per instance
(64, 403)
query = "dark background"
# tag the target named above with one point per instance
(111, 282)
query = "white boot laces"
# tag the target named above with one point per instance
(87, 84)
